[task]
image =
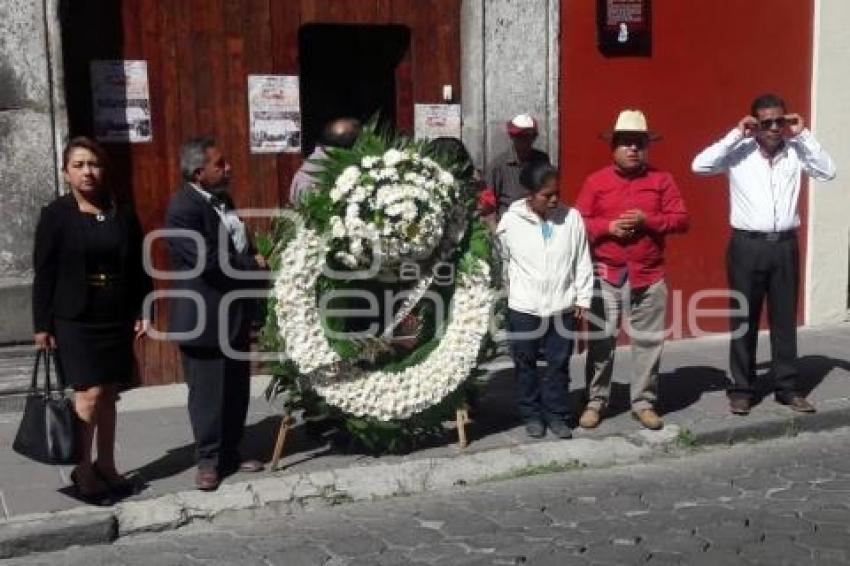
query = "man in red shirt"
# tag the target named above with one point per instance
(628, 209)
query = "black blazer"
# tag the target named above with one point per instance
(60, 287)
(189, 210)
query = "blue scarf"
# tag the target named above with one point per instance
(547, 229)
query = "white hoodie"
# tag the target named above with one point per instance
(545, 277)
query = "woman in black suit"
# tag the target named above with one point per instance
(89, 286)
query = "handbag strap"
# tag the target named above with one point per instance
(57, 369)
(48, 386)
(34, 382)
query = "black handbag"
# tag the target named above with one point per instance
(47, 430)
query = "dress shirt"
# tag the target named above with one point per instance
(764, 191)
(638, 259)
(234, 225)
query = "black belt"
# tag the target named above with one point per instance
(102, 279)
(766, 236)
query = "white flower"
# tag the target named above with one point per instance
(408, 211)
(352, 211)
(356, 247)
(358, 195)
(393, 157)
(369, 161)
(337, 227)
(354, 224)
(371, 231)
(346, 181)
(446, 178)
(346, 259)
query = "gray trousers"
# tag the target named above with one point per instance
(643, 313)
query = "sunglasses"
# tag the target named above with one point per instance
(779, 123)
(640, 142)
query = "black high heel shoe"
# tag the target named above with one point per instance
(120, 489)
(101, 498)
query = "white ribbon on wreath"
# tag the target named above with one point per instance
(382, 395)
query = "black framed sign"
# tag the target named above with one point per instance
(624, 27)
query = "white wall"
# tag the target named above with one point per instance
(829, 203)
(509, 65)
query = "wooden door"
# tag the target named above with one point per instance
(199, 55)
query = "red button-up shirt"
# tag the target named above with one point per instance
(639, 258)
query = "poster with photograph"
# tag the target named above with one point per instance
(275, 113)
(436, 120)
(121, 101)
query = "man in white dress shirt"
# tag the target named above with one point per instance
(763, 157)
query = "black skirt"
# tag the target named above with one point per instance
(94, 353)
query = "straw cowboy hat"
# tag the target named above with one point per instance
(631, 122)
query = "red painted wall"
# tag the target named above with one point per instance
(710, 58)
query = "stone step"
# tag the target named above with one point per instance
(12, 403)
(13, 365)
(17, 352)
(12, 381)
(15, 375)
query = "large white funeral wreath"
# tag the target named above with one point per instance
(393, 218)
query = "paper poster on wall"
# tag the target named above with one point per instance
(436, 120)
(275, 110)
(121, 101)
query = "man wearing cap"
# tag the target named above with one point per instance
(763, 156)
(504, 173)
(628, 208)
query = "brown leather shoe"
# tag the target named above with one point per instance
(207, 479)
(800, 404)
(739, 405)
(250, 466)
(649, 419)
(590, 418)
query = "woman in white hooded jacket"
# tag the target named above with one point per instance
(550, 283)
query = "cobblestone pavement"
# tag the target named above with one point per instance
(155, 443)
(780, 502)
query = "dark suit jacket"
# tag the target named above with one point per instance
(60, 287)
(188, 210)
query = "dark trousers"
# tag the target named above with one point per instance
(542, 398)
(759, 269)
(219, 393)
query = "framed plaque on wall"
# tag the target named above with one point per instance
(624, 27)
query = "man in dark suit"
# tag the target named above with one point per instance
(214, 237)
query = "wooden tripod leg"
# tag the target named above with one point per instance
(462, 419)
(285, 423)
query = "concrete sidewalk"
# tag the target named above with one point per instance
(154, 439)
